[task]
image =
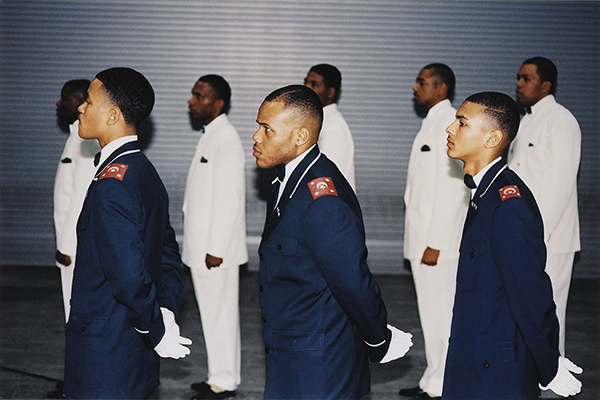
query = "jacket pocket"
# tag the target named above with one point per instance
(85, 350)
(283, 265)
(299, 367)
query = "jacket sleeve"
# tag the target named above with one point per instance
(119, 230)
(172, 277)
(558, 180)
(519, 252)
(335, 239)
(228, 202)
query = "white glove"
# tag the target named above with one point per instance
(171, 345)
(399, 344)
(564, 383)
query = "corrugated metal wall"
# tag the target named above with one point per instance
(379, 46)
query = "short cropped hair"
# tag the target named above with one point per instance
(301, 99)
(130, 91)
(501, 109)
(331, 77)
(77, 86)
(445, 75)
(221, 89)
(546, 70)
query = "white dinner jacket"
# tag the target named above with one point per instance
(214, 203)
(546, 154)
(335, 141)
(436, 198)
(73, 177)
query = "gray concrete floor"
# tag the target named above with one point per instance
(32, 337)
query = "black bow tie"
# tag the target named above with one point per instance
(97, 159)
(280, 172)
(527, 109)
(469, 181)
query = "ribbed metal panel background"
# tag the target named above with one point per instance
(379, 46)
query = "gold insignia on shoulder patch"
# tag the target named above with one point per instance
(322, 187)
(116, 171)
(509, 191)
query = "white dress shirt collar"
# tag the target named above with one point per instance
(114, 145)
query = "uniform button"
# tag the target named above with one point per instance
(264, 319)
(267, 350)
(260, 288)
(472, 254)
(485, 364)
(83, 329)
(278, 247)
(261, 256)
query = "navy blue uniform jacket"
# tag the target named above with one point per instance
(319, 301)
(504, 338)
(128, 266)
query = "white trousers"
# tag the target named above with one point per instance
(217, 294)
(560, 268)
(66, 278)
(435, 287)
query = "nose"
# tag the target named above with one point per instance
(58, 103)
(450, 127)
(190, 101)
(81, 107)
(414, 88)
(256, 136)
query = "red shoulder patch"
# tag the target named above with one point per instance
(322, 187)
(509, 191)
(116, 171)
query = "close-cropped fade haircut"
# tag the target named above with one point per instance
(77, 86)
(445, 75)
(130, 91)
(221, 89)
(546, 70)
(301, 99)
(502, 111)
(331, 77)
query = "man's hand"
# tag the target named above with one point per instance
(430, 257)
(62, 258)
(564, 383)
(172, 344)
(399, 345)
(212, 261)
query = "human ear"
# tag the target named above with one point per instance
(302, 136)
(114, 115)
(494, 138)
(546, 86)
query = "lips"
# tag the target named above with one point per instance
(255, 151)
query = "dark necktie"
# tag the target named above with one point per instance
(469, 181)
(97, 159)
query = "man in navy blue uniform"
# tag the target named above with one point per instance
(323, 315)
(129, 280)
(504, 337)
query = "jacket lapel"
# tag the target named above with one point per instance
(482, 189)
(274, 214)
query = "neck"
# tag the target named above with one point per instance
(473, 167)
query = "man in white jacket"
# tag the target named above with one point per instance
(546, 154)
(436, 204)
(335, 139)
(73, 176)
(214, 234)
